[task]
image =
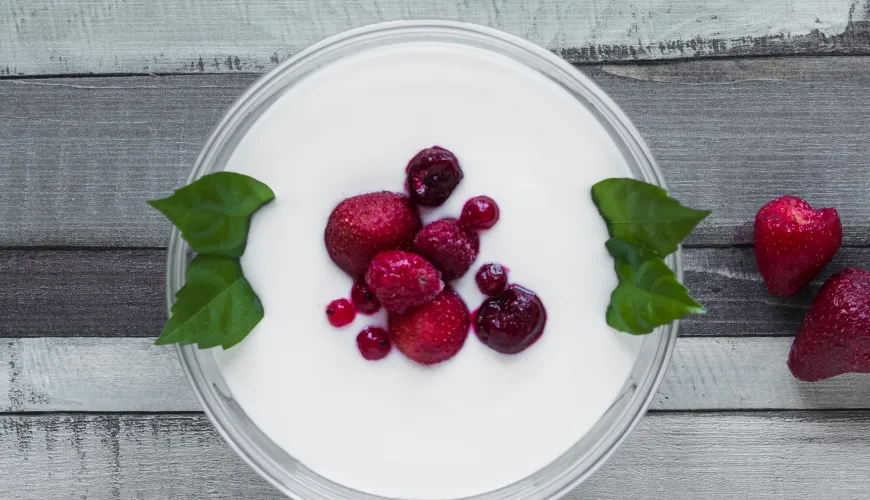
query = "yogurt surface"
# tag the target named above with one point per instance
(481, 420)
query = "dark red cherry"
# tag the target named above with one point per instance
(432, 175)
(512, 321)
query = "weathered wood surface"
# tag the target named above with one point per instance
(81, 156)
(120, 292)
(727, 456)
(132, 375)
(39, 37)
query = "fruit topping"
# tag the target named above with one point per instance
(491, 279)
(373, 343)
(793, 243)
(512, 321)
(340, 312)
(433, 332)
(480, 212)
(432, 175)
(362, 226)
(834, 337)
(363, 299)
(449, 246)
(402, 280)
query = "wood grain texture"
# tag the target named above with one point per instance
(133, 375)
(727, 456)
(39, 37)
(81, 156)
(97, 293)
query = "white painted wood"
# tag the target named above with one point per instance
(81, 156)
(722, 456)
(132, 375)
(39, 37)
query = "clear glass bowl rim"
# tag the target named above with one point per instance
(276, 466)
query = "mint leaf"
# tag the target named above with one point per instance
(214, 213)
(215, 307)
(648, 294)
(643, 214)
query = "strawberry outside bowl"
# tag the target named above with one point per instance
(287, 474)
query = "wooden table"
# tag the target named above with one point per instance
(105, 104)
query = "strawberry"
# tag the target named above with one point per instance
(363, 226)
(834, 337)
(402, 280)
(449, 246)
(793, 243)
(433, 332)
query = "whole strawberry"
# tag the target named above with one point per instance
(449, 246)
(433, 332)
(363, 226)
(793, 243)
(834, 337)
(402, 280)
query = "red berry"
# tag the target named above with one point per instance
(363, 226)
(793, 243)
(834, 338)
(340, 312)
(432, 175)
(491, 279)
(363, 298)
(511, 322)
(449, 246)
(402, 280)
(480, 212)
(433, 332)
(373, 343)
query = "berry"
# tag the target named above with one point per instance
(449, 246)
(363, 226)
(402, 280)
(432, 175)
(340, 312)
(363, 298)
(834, 337)
(793, 243)
(373, 343)
(491, 279)
(512, 321)
(480, 212)
(433, 332)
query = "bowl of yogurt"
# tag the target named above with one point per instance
(296, 400)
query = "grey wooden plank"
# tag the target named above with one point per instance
(39, 37)
(81, 156)
(81, 292)
(133, 375)
(727, 456)
(92, 292)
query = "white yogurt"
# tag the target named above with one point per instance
(481, 420)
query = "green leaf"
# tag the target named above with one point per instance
(214, 212)
(215, 307)
(643, 214)
(648, 294)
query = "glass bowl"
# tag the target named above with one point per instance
(278, 467)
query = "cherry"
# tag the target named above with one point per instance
(432, 175)
(512, 321)
(363, 298)
(491, 279)
(480, 212)
(373, 343)
(340, 312)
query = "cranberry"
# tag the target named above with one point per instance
(432, 175)
(363, 298)
(512, 321)
(373, 343)
(491, 279)
(340, 312)
(480, 212)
